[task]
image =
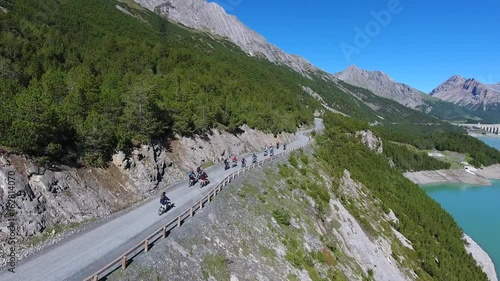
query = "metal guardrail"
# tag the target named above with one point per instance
(163, 232)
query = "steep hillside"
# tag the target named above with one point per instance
(209, 16)
(318, 216)
(469, 93)
(104, 102)
(115, 66)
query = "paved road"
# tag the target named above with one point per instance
(79, 257)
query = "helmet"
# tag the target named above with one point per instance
(163, 193)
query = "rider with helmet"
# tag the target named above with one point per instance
(235, 161)
(164, 200)
(203, 178)
(254, 158)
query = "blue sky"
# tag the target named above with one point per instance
(418, 42)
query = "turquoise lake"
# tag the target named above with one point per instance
(476, 209)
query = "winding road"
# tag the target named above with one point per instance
(78, 257)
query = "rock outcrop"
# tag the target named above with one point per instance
(209, 16)
(469, 93)
(371, 141)
(482, 258)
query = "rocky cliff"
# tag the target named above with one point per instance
(469, 93)
(51, 201)
(209, 16)
(382, 85)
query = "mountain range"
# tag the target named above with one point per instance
(457, 99)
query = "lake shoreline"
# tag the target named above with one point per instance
(483, 176)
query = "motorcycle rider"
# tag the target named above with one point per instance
(277, 144)
(284, 146)
(164, 200)
(226, 164)
(271, 152)
(235, 161)
(192, 177)
(254, 158)
(203, 178)
(243, 162)
(265, 151)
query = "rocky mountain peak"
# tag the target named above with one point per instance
(382, 85)
(203, 15)
(468, 92)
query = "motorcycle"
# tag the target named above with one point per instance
(192, 181)
(271, 153)
(265, 153)
(226, 166)
(254, 160)
(165, 208)
(204, 182)
(235, 163)
(243, 163)
(284, 146)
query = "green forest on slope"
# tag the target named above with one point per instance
(84, 73)
(441, 138)
(434, 234)
(81, 78)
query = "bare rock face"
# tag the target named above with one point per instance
(202, 15)
(371, 141)
(469, 93)
(481, 257)
(382, 85)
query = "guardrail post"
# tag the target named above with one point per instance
(209, 197)
(124, 262)
(179, 221)
(191, 212)
(146, 245)
(96, 278)
(164, 232)
(201, 204)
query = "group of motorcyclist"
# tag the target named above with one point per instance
(202, 176)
